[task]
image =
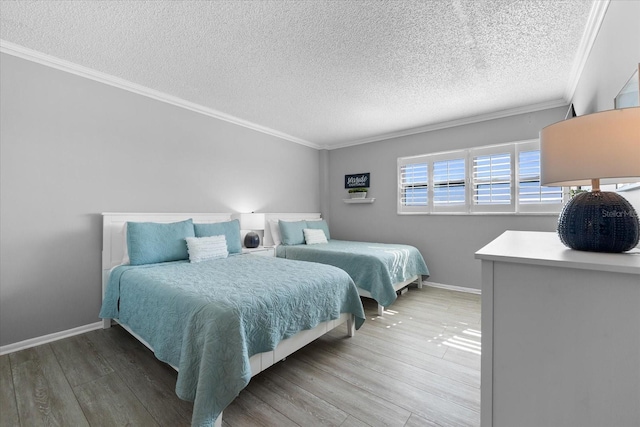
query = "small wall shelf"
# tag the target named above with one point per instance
(369, 200)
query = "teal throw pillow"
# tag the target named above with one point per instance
(229, 229)
(292, 232)
(153, 242)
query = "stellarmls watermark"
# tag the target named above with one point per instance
(619, 214)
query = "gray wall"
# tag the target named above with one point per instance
(71, 148)
(613, 58)
(447, 242)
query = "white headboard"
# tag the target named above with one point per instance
(113, 226)
(268, 239)
(113, 232)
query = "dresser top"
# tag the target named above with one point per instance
(545, 248)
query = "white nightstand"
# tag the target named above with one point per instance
(260, 251)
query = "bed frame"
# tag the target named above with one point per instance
(396, 286)
(113, 241)
(268, 241)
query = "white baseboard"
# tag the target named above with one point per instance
(453, 288)
(33, 342)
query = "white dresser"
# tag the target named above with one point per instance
(560, 334)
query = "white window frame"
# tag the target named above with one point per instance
(534, 145)
(452, 207)
(403, 161)
(469, 206)
(488, 151)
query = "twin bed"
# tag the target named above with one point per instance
(219, 317)
(220, 321)
(379, 270)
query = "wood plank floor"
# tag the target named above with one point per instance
(418, 365)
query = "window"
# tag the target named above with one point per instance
(448, 182)
(532, 196)
(415, 183)
(492, 179)
(500, 178)
(447, 174)
(529, 177)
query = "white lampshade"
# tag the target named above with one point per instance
(604, 146)
(252, 221)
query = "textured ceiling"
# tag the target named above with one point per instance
(324, 73)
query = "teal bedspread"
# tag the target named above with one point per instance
(209, 318)
(374, 267)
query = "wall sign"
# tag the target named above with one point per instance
(357, 180)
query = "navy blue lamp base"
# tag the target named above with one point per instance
(599, 221)
(251, 240)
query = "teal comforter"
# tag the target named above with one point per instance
(374, 267)
(209, 318)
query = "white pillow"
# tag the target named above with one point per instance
(274, 226)
(125, 256)
(314, 236)
(206, 248)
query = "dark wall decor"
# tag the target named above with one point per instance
(357, 180)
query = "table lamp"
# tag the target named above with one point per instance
(589, 150)
(252, 221)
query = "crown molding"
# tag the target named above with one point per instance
(594, 22)
(79, 70)
(89, 73)
(453, 123)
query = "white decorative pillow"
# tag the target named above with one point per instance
(314, 236)
(206, 248)
(274, 226)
